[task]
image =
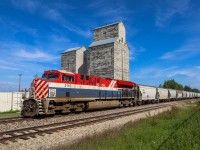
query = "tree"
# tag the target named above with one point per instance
(195, 90)
(179, 87)
(170, 84)
(187, 88)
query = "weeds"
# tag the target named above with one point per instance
(175, 129)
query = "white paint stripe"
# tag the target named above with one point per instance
(110, 84)
(113, 84)
(45, 91)
(79, 86)
(38, 82)
(42, 89)
(38, 87)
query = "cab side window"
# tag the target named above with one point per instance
(67, 78)
(87, 78)
(82, 77)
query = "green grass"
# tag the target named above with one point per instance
(178, 129)
(11, 113)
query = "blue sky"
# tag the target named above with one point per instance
(163, 37)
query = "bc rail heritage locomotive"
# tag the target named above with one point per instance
(59, 91)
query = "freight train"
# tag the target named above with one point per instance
(59, 91)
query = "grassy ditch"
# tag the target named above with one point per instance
(172, 130)
(11, 113)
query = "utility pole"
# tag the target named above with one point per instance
(20, 75)
(122, 53)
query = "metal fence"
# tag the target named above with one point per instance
(11, 100)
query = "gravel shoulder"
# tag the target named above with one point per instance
(73, 135)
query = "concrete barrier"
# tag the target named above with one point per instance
(11, 100)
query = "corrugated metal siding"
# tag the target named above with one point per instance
(179, 94)
(184, 94)
(172, 93)
(148, 93)
(188, 94)
(163, 93)
(11, 100)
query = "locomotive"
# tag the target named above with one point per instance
(59, 91)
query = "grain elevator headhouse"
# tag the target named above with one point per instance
(108, 54)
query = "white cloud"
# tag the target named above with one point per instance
(53, 13)
(135, 51)
(56, 16)
(170, 10)
(20, 57)
(17, 27)
(59, 39)
(28, 5)
(190, 49)
(8, 86)
(186, 76)
(35, 55)
(111, 11)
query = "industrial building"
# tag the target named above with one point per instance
(107, 56)
(74, 60)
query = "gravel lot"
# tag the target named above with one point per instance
(72, 135)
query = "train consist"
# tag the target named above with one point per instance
(155, 94)
(59, 91)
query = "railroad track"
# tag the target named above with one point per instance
(19, 119)
(31, 132)
(12, 120)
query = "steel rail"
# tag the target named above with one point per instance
(25, 133)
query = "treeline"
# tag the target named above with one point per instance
(172, 84)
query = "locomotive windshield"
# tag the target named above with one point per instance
(50, 76)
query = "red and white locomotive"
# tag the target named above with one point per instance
(59, 91)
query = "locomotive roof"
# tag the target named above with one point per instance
(64, 71)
